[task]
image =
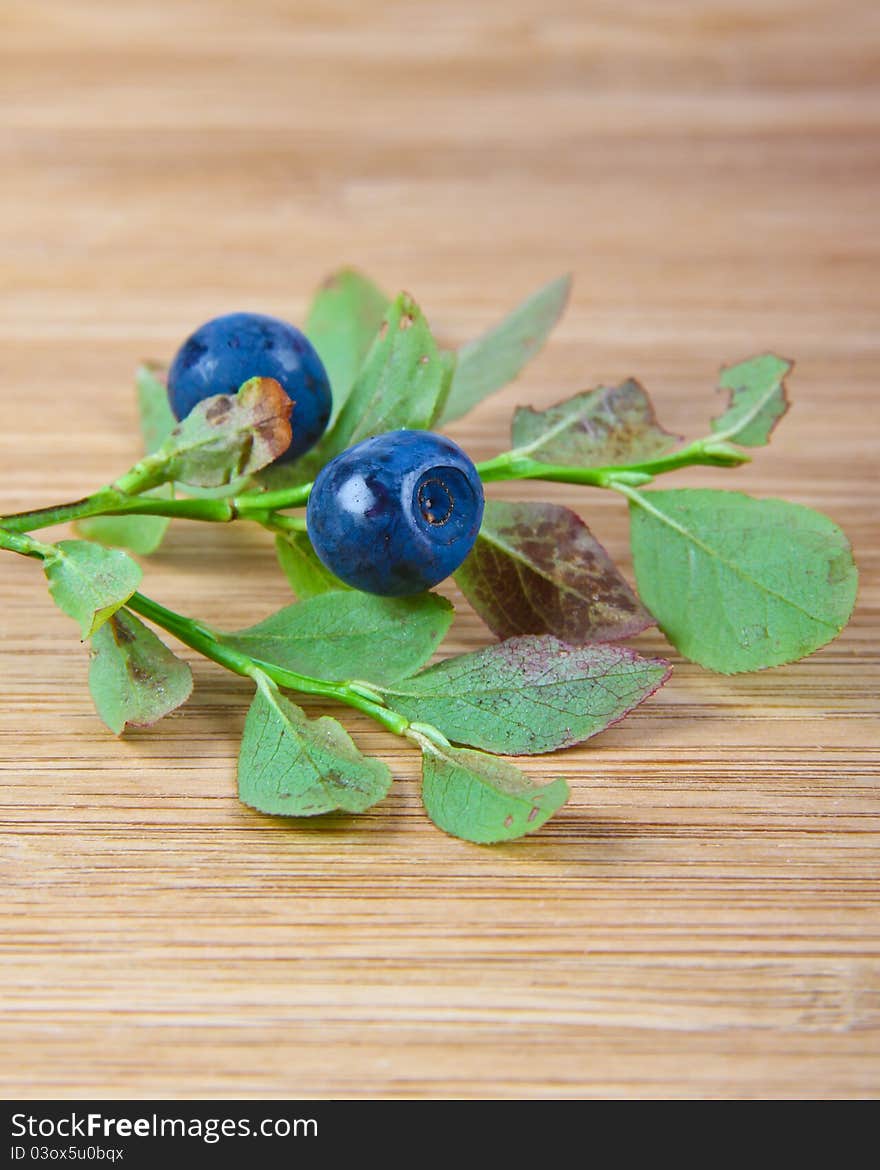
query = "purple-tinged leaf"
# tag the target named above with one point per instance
(606, 427)
(537, 569)
(529, 695)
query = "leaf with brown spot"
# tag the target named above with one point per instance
(758, 400)
(537, 569)
(294, 766)
(605, 427)
(528, 695)
(90, 583)
(480, 798)
(134, 678)
(228, 435)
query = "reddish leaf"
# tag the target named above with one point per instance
(606, 427)
(529, 695)
(537, 569)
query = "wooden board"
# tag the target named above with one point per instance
(702, 919)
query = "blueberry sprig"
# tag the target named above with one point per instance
(244, 429)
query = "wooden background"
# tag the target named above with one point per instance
(702, 919)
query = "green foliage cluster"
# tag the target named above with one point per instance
(735, 583)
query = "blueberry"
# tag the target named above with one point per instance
(226, 351)
(397, 513)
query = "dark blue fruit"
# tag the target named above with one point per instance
(228, 350)
(397, 513)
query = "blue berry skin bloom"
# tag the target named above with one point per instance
(225, 352)
(397, 513)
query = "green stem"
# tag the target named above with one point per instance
(94, 505)
(113, 501)
(296, 497)
(120, 498)
(110, 502)
(645, 504)
(209, 643)
(518, 464)
(354, 693)
(206, 641)
(278, 522)
(25, 545)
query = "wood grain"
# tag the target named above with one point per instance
(702, 919)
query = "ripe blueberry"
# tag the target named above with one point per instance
(397, 513)
(227, 351)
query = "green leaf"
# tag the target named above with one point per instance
(228, 435)
(606, 427)
(497, 357)
(757, 400)
(293, 766)
(134, 678)
(349, 635)
(345, 317)
(157, 419)
(138, 534)
(483, 799)
(737, 583)
(529, 695)
(537, 569)
(90, 583)
(402, 383)
(307, 575)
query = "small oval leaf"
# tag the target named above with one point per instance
(89, 582)
(483, 799)
(757, 400)
(294, 766)
(134, 678)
